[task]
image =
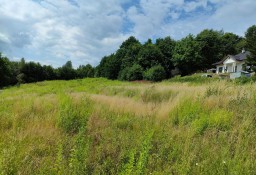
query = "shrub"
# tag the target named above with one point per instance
(131, 73)
(155, 73)
(123, 74)
(245, 80)
(213, 91)
(135, 73)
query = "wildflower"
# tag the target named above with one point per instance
(224, 162)
(196, 164)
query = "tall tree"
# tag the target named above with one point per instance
(85, 71)
(230, 44)
(5, 71)
(250, 36)
(210, 47)
(150, 55)
(167, 46)
(67, 72)
(187, 57)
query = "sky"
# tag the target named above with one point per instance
(53, 32)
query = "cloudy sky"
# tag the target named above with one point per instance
(54, 31)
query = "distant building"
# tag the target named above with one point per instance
(233, 64)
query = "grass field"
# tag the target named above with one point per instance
(98, 126)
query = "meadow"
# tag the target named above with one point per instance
(99, 126)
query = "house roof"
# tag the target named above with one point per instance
(239, 57)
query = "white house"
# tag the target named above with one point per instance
(232, 63)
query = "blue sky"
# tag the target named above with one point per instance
(54, 31)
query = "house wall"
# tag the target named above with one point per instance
(229, 66)
(229, 61)
(240, 66)
(218, 67)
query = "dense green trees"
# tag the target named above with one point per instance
(5, 71)
(155, 73)
(152, 61)
(187, 56)
(167, 46)
(12, 72)
(250, 36)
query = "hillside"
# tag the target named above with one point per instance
(98, 126)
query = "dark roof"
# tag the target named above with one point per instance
(242, 56)
(239, 57)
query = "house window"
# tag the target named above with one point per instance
(235, 68)
(220, 69)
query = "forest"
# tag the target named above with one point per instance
(153, 61)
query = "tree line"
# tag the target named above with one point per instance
(167, 57)
(133, 60)
(17, 72)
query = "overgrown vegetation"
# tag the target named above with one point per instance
(98, 126)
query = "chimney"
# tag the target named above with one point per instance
(243, 50)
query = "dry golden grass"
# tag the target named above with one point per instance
(125, 105)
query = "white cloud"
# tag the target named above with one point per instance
(54, 31)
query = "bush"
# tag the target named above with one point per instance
(245, 80)
(155, 73)
(135, 73)
(123, 74)
(211, 91)
(195, 79)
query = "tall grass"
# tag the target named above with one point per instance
(98, 126)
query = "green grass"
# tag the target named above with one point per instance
(99, 126)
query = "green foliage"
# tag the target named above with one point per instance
(250, 36)
(155, 73)
(210, 44)
(8, 160)
(154, 96)
(85, 71)
(187, 112)
(5, 71)
(231, 44)
(220, 119)
(194, 79)
(134, 73)
(166, 46)
(150, 55)
(193, 113)
(137, 163)
(187, 55)
(79, 154)
(67, 72)
(123, 74)
(245, 80)
(72, 117)
(210, 91)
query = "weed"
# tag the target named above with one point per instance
(73, 116)
(154, 96)
(213, 91)
(98, 126)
